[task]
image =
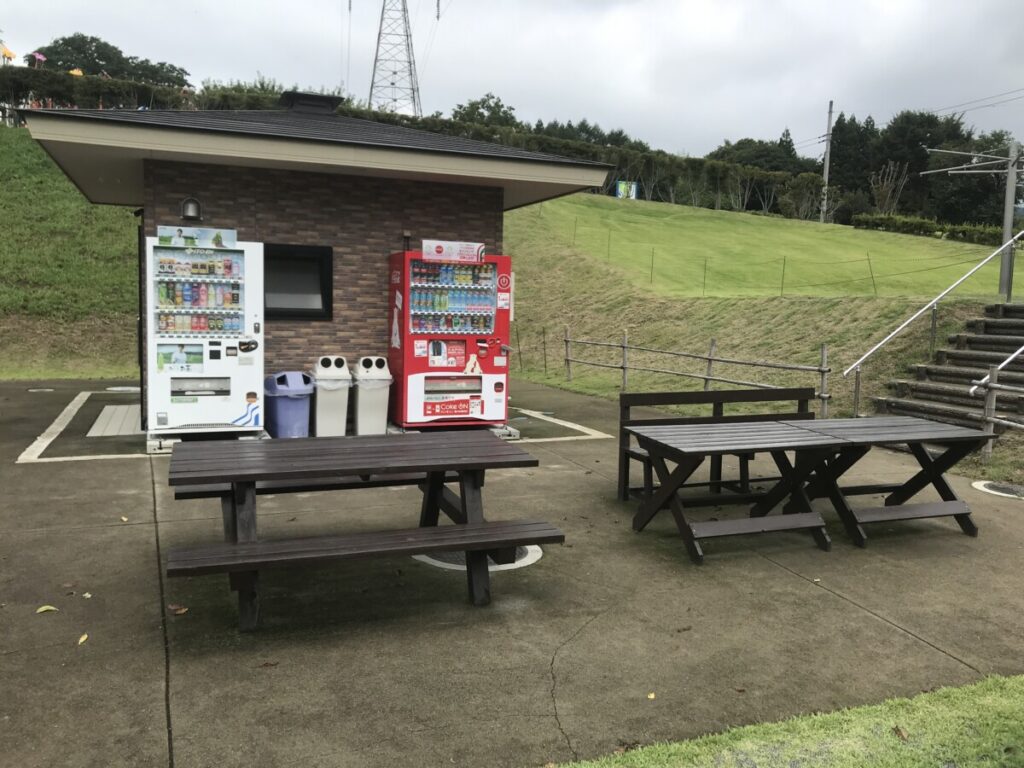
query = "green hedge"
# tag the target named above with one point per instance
(982, 234)
(22, 85)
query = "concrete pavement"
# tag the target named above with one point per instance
(384, 663)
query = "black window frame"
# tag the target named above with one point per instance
(323, 255)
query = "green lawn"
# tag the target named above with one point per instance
(700, 252)
(977, 726)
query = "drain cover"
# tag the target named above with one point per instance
(456, 561)
(1008, 490)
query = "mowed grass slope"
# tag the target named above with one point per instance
(700, 252)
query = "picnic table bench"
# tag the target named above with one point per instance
(800, 397)
(824, 450)
(237, 471)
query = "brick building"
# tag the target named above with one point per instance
(304, 179)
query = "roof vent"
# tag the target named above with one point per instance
(317, 103)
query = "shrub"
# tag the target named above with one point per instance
(981, 234)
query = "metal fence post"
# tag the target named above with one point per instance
(934, 331)
(544, 347)
(568, 356)
(625, 360)
(856, 392)
(823, 393)
(990, 411)
(519, 349)
(707, 373)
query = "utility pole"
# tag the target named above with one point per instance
(1009, 204)
(982, 163)
(828, 153)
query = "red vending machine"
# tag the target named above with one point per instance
(448, 354)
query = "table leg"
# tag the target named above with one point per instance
(477, 574)
(673, 480)
(790, 483)
(938, 481)
(670, 483)
(826, 483)
(430, 510)
(246, 583)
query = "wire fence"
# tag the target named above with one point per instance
(659, 368)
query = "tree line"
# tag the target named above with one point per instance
(873, 170)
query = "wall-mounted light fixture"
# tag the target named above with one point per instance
(191, 210)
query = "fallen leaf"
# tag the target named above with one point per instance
(741, 690)
(124, 519)
(87, 595)
(816, 580)
(46, 609)
(687, 628)
(68, 584)
(270, 663)
(83, 638)
(652, 695)
(902, 734)
(177, 610)
(69, 593)
(292, 519)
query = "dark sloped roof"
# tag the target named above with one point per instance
(306, 126)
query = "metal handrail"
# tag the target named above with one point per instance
(932, 303)
(988, 376)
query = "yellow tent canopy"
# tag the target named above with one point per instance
(76, 72)
(7, 53)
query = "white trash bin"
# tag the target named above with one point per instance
(372, 387)
(333, 382)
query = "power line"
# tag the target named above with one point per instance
(975, 101)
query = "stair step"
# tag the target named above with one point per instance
(997, 326)
(1005, 310)
(961, 373)
(985, 341)
(956, 394)
(945, 412)
(976, 357)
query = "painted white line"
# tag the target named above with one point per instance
(533, 554)
(31, 454)
(588, 433)
(982, 485)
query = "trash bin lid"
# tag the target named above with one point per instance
(372, 367)
(331, 368)
(290, 383)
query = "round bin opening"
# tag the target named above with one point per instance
(339, 362)
(379, 362)
(325, 362)
(366, 363)
(456, 561)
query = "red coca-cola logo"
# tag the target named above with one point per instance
(438, 249)
(504, 282)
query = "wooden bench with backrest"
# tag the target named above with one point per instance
(800, 396)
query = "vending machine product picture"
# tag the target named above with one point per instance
(449, 338)
(204, 338)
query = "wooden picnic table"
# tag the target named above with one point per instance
(244, 463)
(824, 450)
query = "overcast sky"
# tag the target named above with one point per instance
(680, 75)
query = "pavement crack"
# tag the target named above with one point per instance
(554, 680)
(163, 622)
(877, 615)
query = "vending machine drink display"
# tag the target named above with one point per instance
(449, 322)
(204, 334)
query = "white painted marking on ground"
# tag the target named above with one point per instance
(31, 455)
(983, 485)
(116, 420)
(588, 433)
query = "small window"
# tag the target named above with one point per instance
(297, 281)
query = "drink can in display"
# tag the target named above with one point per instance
(193, 322)
(228, 266)
(218, 267)
(179, 294)
(186, 294)
(161, 294)
(236, 294)
(203, 295)
(220, 295)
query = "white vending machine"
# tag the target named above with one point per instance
(204, 333)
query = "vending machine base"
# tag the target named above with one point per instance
(163, 443)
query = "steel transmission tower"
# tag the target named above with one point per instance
(394, 87)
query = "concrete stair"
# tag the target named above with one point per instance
(940, 390)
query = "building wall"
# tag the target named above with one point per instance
(361, 218)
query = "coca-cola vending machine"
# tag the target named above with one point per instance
(450, 309)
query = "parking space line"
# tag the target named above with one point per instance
(588, 433)
(32, 454)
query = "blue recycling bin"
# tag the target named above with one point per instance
(288, 397)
